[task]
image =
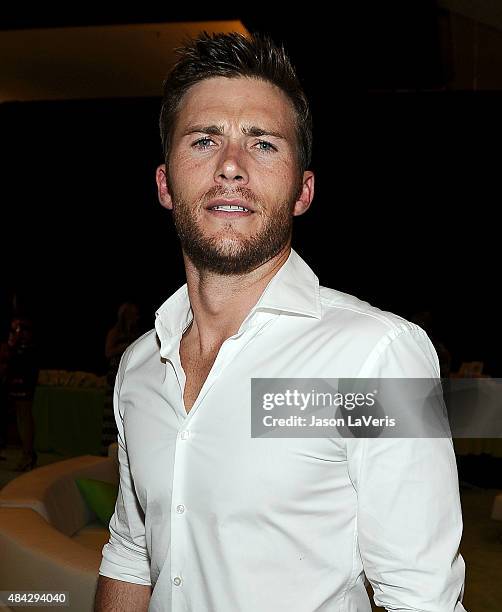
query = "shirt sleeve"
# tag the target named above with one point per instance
(125, 556)
(409, 521)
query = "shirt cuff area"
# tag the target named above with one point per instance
(121, 564)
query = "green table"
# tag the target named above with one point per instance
(68, 420)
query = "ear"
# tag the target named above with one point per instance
(306, 195)
(163, 187)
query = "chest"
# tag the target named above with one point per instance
(218, 457)
(196, 370)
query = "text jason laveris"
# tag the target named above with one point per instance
(350, 421)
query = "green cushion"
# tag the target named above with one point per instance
(100, 497)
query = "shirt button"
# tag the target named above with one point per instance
(185, 434)
(180, 509)
(177, 581)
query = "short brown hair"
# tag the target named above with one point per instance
(233, 55)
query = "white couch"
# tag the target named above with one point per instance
(49, 539)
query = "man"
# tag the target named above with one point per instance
(208, 518)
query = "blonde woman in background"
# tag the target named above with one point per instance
(118, 338)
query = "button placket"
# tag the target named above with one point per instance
(178, 510)
(228, 351)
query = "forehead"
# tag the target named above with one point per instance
(243, 99)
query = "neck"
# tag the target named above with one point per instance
(220, 303)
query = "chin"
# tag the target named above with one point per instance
(228, 241)
(229, 251)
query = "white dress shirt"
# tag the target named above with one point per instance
(217, 521)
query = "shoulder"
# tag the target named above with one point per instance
(361, 316)
(374, 333)
(139, 350)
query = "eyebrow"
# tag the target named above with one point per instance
(219, 130)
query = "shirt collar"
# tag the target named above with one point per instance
(294, 289)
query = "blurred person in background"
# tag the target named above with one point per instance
(118, 338)
(21, 378)
(4, 354)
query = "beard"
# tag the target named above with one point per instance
(229, 252)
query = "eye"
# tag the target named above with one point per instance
(267, 148)
(202, 143)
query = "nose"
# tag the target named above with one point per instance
(230, 167)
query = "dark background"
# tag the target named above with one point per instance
(404, 214)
